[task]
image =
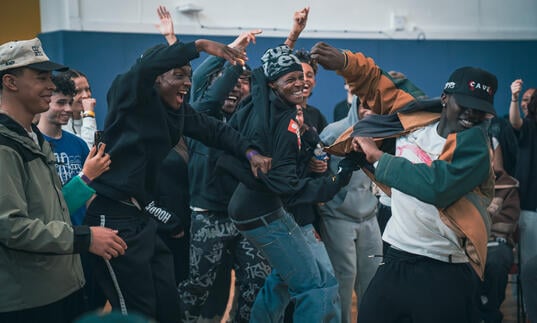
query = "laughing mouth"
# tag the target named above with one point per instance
(466, 123)
(232, 99)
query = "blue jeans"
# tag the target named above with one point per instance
(302, 272)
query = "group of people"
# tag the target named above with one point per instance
(196, 173)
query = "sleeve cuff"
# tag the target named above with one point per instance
(82, 238)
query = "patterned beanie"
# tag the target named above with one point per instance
(278, 61)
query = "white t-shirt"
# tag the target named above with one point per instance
(415, 226)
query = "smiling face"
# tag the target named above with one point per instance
(32, 88)
(239, 92)
(456, 118)
(309, 79)
(174, 85)
(60, 110)
(525, 100)
(289, 87)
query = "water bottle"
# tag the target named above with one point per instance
(319, 153)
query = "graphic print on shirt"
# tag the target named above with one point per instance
(417, 152)
(68, 166)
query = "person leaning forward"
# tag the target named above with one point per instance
(441, 182)
(147, 116)
(40, 271)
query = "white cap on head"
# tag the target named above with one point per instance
(26, 53)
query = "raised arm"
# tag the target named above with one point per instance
(514, 110)
(165, 27)
(300, 18)
(244, 39)
(232, 55)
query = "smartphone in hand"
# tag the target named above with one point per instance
(98, 138)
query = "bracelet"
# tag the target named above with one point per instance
(514, 100)
(251, 154)
(291, 39)
(88, 114)
(346, 60)
(84, 178)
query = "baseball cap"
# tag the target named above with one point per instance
(473, 88)
(26, 53)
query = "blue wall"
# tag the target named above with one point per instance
(101, 56)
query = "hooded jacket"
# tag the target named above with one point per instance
(354, 202)
(38, 264)
(141, 129)
(459, 183)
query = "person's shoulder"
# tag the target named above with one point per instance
(73, 139)
(313, 109)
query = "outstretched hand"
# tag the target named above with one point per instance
(232, 55)
(165, 27)
(242, 41)
(97, 162)
(328, 57)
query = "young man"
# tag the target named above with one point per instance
(349, 225)
(147, 117)
(441, 183)
(40, 271)
(269, 119)
(70, 151)
(216, 245)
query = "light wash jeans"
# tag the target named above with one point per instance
(350, 245)
(300, 273)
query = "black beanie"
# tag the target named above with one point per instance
(278, 61)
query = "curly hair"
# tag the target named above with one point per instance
(304, 56)
(64, 84)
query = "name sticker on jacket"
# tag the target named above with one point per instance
(294, 128)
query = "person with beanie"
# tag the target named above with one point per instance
(269, 119)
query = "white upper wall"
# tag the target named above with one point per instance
(378, 19)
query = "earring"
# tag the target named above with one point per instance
(443, 105)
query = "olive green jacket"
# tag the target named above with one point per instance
(38, 244)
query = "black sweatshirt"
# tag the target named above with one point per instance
(271, 125)
(140, 129)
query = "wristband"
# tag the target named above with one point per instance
(251, 154)
(346, 59)
(88, 114)
(84, 178)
